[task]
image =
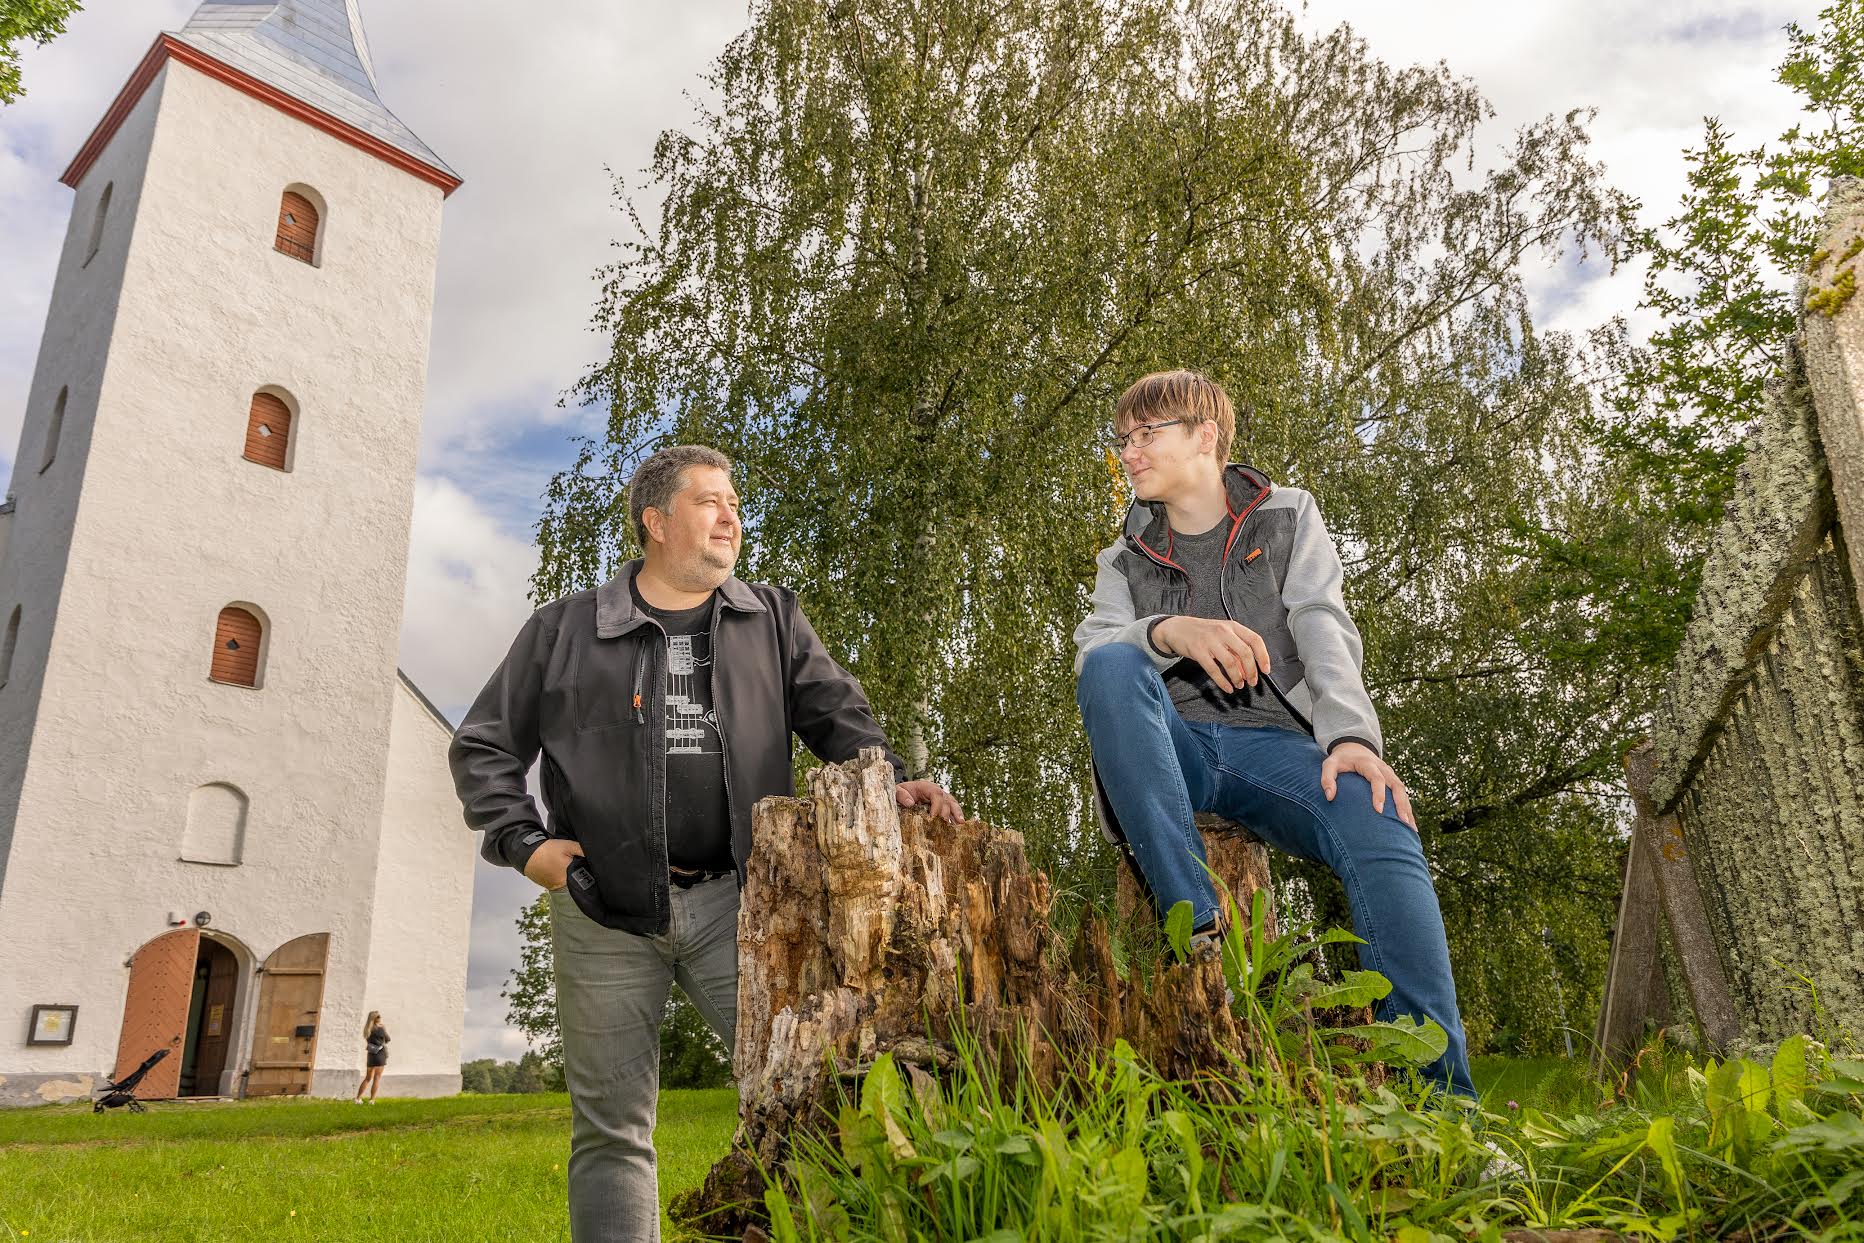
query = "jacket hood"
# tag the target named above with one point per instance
(1147, 524)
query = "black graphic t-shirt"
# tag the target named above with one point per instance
(698, 821)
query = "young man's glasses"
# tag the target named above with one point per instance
(1142, 434)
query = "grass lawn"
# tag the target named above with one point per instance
(467, 1167)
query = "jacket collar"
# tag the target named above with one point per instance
(615, 613)
(1148, 526)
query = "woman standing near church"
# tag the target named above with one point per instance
(376, 1036)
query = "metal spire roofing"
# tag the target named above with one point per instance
(313, 51)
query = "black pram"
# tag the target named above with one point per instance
(123, 1092)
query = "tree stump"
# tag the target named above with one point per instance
(1236, 856)
(863, 928)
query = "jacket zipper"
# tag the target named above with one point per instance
(724, 748)
(657, 770)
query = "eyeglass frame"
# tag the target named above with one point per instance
(1119, 442)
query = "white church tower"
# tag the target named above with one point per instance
(227, 829)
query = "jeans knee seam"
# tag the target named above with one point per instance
(1356, 893)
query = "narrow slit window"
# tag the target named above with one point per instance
(54, 429)
(97, 224)
(8, 642)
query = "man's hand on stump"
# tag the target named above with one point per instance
(943, 805)
(1357, 757)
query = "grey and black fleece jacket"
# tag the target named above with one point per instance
(1280, 576)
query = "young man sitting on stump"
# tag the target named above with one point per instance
(1220, 672)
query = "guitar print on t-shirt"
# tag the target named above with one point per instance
(692, 725)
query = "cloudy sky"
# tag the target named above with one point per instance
(536, 105)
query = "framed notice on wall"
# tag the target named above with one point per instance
(52, 1024)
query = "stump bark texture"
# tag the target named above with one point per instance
(865, 929)
(1236, 857)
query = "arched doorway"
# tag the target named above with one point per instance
(284, 1035)
(184, 990)
(210, 1019)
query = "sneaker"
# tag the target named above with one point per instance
(1501, 1165)
(371, 1100)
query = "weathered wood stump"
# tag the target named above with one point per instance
(1236, 856)
(864, 929)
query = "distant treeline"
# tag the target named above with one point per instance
(529, 1073)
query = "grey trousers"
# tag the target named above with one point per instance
(611, 994)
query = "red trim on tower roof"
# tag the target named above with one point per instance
(166, 47)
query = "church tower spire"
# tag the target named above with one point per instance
(313, 51)
(308, 58)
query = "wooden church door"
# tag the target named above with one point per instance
(155, 1013)
(284, 1038)
(210, 1019)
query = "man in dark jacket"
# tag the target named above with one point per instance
(662, 703)
(1220, 671)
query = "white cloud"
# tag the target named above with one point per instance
(467, 579)
(498, 895)
(465, 602)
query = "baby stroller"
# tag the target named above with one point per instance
(123, 1092)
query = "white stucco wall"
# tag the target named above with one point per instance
(423, 907)
(73, 352)
(167, 524)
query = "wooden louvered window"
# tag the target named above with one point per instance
(297, 227)
(236, 648)
(268, 431)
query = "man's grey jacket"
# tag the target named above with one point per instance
(1281, 578)
(582, 686)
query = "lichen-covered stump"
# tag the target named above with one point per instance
(1236, 857)
(864, 928)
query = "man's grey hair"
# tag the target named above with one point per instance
(659, 479)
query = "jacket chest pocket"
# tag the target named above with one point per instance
(604, 685)
(1253, 582)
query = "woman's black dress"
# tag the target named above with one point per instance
(378, 1045)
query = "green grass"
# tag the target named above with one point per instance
(467, 1167)
(1550, 1084)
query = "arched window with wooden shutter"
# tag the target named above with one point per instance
(236, 647)
(298, 218)
(268, 431)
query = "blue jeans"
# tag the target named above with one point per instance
(1157, 769)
